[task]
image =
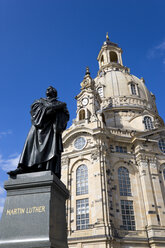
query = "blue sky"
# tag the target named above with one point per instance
(50, 42)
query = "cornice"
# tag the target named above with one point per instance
(112, 67)
(75, 131)
(150, 132)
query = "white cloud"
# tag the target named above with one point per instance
(10, 163)
(2, 191)
(4, 133)
(2, 199)
(161, 46)
(158, 51)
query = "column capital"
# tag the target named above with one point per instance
(142, 158)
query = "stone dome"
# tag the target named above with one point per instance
(126, 101)
(120, 88)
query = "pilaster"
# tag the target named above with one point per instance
(160, 207)
(147, 190)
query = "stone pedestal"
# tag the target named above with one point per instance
(34, 214)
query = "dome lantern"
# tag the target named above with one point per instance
(110, 54)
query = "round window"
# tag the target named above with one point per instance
(162, 145)
(80, 143)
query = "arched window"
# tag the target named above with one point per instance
(103, 118)
(124, 182)
(162, 145)
(102, 60)
(82, 180)
(113, 57)
(100, 91)
(133, 89)
(81, 115)
(148, 123)
(164, 173)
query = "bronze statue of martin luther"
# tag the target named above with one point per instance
(43, 146)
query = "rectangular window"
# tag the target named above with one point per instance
(133, 89)
(121, 149)
(82, 214)
(128, 215)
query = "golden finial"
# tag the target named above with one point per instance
(107, 36)
(87, 71)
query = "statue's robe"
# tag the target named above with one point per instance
(44, 140)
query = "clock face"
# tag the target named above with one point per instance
(80, 143)
(84, 101)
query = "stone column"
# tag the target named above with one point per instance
(34, 214)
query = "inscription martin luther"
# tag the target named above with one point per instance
(30, 210)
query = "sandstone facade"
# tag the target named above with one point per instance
(114, 161)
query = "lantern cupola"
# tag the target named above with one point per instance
(110, 54)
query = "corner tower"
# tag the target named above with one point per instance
(114, 160)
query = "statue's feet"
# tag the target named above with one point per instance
(15, 172)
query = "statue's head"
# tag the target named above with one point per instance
(51, 92)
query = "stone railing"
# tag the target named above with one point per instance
(126, 101)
